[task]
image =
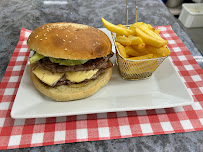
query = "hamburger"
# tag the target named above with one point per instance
(70, 61)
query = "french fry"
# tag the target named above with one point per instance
(137, 24)
(148, 56)
(123, 40)
(141, 46)
(120, 25)
(149, 39)
(121, 50)
(134, 26)
(150, 27)
(116, 29)
(118, 35)
(151, 33)
(155, 56)
(159, 52)
(143, 51)
(131, 51)
(157, 31)
(135, 40)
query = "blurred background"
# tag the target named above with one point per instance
(190, 16)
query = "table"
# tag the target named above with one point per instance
(31, 14)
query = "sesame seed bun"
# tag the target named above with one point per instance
(69, 41)
(68, 93)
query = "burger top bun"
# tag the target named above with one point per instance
(69, 41)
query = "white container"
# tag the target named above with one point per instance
(192, 15)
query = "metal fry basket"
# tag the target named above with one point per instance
(135, 69)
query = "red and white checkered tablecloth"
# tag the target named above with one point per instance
(113, 125)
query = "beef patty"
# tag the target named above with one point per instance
(99, 63)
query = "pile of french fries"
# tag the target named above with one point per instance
(140, 41)
(137, 43)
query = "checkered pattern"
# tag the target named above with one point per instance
(112, 125)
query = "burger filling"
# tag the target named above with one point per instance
(55, 72)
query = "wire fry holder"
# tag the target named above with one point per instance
(135, 69)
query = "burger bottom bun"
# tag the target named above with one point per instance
(67, 93)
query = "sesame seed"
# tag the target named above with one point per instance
(57, 35)
(64, 40)
(66, 35)
(66, 49)
(40, 39)
(76, 37)
(45, 34)
(46, 38)
(70, 41)
(93, 44)
(68, 30)
(36, 36)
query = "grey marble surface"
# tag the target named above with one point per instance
(30, 14)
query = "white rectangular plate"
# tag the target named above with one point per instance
(163, 89)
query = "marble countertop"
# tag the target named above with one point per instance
(30, 14)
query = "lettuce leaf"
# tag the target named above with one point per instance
(36, 57)
(67, 62)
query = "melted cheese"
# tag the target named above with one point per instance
(80, 75)
(47, 76)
